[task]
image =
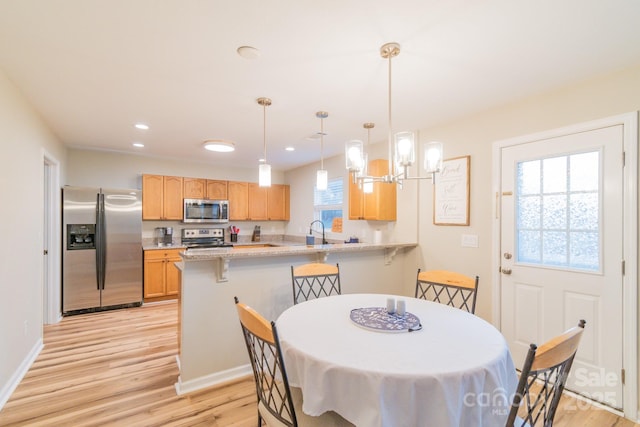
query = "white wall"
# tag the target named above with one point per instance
(24, 139)
(603, 97)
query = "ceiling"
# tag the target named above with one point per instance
(93, 68)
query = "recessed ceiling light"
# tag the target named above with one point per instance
(290, 149)
(248, 52)
(219, 145)
(141, 126)
(138, 144)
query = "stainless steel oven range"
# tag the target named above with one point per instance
(204, 238)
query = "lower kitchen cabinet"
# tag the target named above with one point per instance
(161, 276)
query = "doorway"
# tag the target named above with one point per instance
(51, 240)
(565, 237)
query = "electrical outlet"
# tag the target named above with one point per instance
(469, 240)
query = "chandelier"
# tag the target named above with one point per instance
(401, 146)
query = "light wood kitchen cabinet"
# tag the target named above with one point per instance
(216, 190)
(379, 205)
(249, 201)
(161, 197)
(200, 188)
(257, 202)
(194, 188)
(356, 199)
(238, 201)
(161, 276)
(278, 202)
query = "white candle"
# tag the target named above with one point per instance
(400, 309)
(391, 305)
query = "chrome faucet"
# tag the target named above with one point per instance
(324, 241)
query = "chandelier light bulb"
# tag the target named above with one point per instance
(433, 157)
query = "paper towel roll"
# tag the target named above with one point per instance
(377, 237)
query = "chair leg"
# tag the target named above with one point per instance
(259, 419)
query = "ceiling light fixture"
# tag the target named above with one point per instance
(138, 144)
(219, 145)
(141, 126)
(264, 169)
(322, 179)
(404, 154)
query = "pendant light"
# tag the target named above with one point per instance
(264, 170)
(322, 179)
(401, 146)
(367, 183)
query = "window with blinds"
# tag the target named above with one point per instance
(327, 204)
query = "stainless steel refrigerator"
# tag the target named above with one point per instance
(102, 249)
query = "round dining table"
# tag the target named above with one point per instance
(435, 366)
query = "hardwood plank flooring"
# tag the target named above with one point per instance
(118, 368)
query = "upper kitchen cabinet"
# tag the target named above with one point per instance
(378, 205)
(268, 203)
(249, 201)
(199, 188)
(217, 190)
(278, 202)
(162, 197)
(194, 188)
(238, 201)
(356, 199)
(257, 202)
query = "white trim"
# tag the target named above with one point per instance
(630, 280)
(14, 381)
(630, 241)
(216, 378)
(52, 294)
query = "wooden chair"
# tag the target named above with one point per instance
(545, 369)
(447, 287)
(315, 280)
(278, 404)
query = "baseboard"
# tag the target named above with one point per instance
(218, 378)
(8, 389)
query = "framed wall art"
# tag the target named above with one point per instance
(451, 192)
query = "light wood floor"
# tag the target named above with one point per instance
(118, 368)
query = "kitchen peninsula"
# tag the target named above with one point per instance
(212, 349)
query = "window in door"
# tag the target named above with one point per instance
(558, 212)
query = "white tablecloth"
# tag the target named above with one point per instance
(456, 371)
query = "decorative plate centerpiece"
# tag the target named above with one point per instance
(377, 319)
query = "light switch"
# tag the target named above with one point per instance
(469, 240)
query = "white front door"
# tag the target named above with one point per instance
(561, 249)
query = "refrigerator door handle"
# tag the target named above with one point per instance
(98, 243)
(103, 243)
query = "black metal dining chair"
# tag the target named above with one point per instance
(278, 403)
(543, 378)
(315, 280)
(448, 287)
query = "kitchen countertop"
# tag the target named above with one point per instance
(284, 249)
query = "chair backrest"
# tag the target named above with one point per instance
(315, 280)
(545, 372)
(272, 386)
(448, 287)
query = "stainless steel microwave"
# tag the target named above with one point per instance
(205, 211)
